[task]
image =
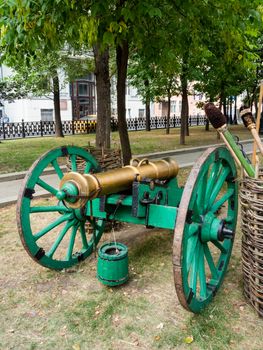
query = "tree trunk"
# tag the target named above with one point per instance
(224, 107)
(58, 124)
(148, 115)
(230, 109)
(103, 127)
(185, 108)
(122, 52)
(235, 110)
(168, 112)
(207, 124)
(147, 107)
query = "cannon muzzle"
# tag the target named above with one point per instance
(76, 189)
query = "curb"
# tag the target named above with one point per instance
(20, 175)
(186, 150)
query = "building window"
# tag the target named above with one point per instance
(173, 106)
(83, 98)
(180, 106)
(83, 89)
(84, 107)
(141, 113)
(46, 115)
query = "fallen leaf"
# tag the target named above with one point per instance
(157, 338)
(160, 326)
(76, 347)
(189, 339)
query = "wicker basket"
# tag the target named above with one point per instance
(251, 198)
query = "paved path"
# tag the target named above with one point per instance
(11, 183)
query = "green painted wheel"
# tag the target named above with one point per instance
(205, 228)
(53, 234)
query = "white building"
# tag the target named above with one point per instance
(36, 108)
(77, 100)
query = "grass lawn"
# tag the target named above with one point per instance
(18, 155)
(44, 309)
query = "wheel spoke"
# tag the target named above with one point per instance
(53, 208)
(57, 242)
(57, 168)
(88, 167)
(51, 226)
(83, 236)
(194, 269)
(201, 191)
(213, 175)
(218, 186)
(72, 241)
(219, 246)
(210, 262)
(201, 272)
(191, 245)
(46, 186)
(222, 200)
(193, 228)
(73, 162)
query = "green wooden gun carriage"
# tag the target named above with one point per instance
(202, 215)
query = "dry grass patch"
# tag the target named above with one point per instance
(71, 310)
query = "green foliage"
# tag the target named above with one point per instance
(11, 89)
(213, 42)
(216, 40)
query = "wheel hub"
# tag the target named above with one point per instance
(214, 229)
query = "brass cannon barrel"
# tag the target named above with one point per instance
(77, 188)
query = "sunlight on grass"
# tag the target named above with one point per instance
(18, 155)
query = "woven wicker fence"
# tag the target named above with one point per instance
(251, 198)
(107, 158)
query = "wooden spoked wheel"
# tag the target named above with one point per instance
(53, 234)
(205, 227)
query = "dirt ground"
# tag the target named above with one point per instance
(44, 309)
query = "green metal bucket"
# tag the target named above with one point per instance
(112, 267)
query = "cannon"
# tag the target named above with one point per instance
(202, 214)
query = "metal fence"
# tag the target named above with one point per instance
(71, 127)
